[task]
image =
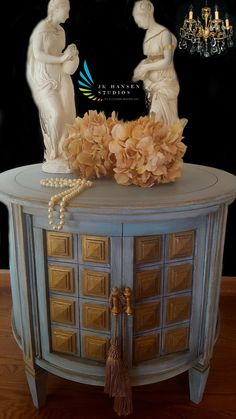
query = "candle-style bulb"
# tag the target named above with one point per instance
(226, 20)
(216, 12)
(190, 13)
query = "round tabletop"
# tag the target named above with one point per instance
(198, 186)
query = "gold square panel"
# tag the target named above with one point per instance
(95, 249)
(147, 316)
(176, 340)
(96, 316)
(95, 348)
(148, 249)
(61, 278)
(64, 341)
(62, 311)
(178, 309)
(147, 283)
(59, 245)
(179, 277)
(181, 245)
(95, 283)
(146, 347)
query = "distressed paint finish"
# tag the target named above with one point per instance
(176, 322)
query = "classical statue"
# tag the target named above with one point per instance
(157, 70)
(49, 68)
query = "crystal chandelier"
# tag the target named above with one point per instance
(211, 37)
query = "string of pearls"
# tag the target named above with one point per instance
(76, 186)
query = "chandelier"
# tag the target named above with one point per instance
(210, 37)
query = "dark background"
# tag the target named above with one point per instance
(107, 37)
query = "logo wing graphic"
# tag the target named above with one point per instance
(86, 83)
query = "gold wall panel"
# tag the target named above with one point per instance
(181, 244)
(62, 311)
(61, 278)
(176, 340)
(148, 249)
(63, 341)
(95, 249)
(147, 316)
(179, 277)
(59, 245)
(95, 348)
(96, 284)
(96, 316)
(147, 283)
(178, 309)
(146, 347)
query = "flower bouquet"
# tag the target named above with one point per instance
(141, 152)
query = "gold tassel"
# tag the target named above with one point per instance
(113, 375)
(123, 405)
(117, 383)
(114, 369)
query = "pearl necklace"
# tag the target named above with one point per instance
(76, 186)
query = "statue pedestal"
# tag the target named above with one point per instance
(56, 166)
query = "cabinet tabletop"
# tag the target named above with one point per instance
(198, 186)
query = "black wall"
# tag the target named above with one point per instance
(109, 40)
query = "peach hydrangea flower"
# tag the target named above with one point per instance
(147, 152)
(141, 152)
(87, 145)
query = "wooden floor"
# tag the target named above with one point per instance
(165, 400)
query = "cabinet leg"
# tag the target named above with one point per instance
(197, 382)
(37, 382)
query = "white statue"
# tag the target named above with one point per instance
(49, 66)
(157, 70)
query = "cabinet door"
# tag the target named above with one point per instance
(80, 267)
(162, 265)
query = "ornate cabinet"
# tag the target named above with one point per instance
(164, 244)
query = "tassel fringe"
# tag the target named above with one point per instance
(114, 369)
(117, 383)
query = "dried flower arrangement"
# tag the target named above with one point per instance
(140, 152)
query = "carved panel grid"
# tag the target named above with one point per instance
(177, 280)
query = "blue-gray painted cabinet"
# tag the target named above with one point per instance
(165, 243)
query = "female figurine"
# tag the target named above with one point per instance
(48, 73)
(157, 70)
